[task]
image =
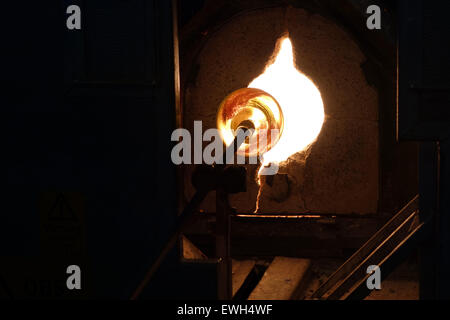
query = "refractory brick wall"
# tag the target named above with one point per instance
(340, 172)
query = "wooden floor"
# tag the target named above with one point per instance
(284, 278)
(402, 284)
(297, 279)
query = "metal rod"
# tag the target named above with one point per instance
(182, 221)
(368, 247)
(185, 216)
(224, 272)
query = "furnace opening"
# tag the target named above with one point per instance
(300, 101)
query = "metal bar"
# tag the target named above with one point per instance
(375, 257)
(367, 248)
(224, 268)
(223, 223)
(182, 221)
(429, 178)
(401, 252)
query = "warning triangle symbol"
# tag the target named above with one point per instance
(61, 210)
(5, 290)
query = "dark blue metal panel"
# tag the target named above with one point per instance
(91, 111)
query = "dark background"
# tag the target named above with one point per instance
(86, 112)
(86, 118)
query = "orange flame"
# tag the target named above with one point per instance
(300, 101)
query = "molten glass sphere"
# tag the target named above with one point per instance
(252, 109)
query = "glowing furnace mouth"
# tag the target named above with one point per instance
(300, 101)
